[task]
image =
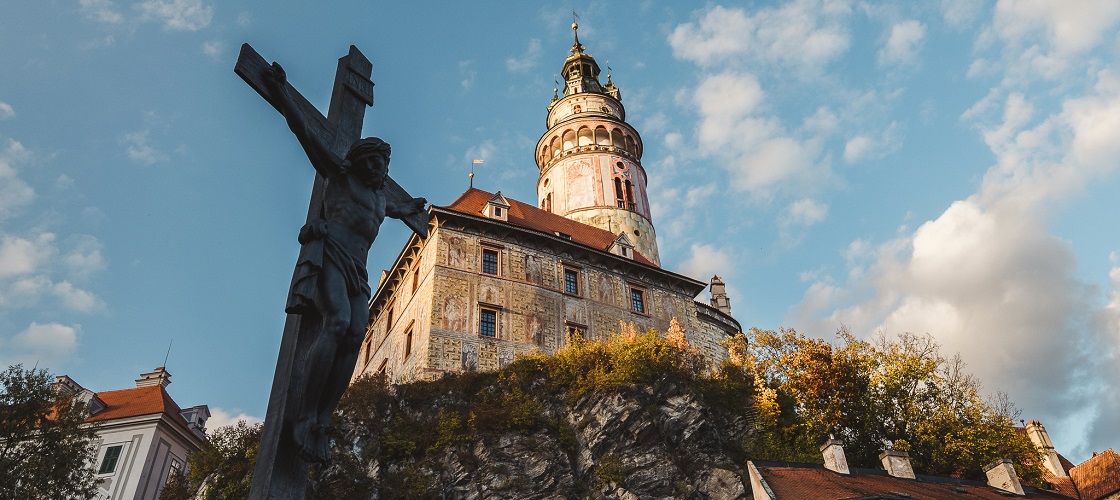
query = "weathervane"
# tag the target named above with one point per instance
(476, 161)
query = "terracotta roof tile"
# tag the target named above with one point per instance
(793, 482)
(1061, 485)
(472, 201)
(1099, 476)
(135, 402)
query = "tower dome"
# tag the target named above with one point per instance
(590, 158)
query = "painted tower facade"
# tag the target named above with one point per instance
(590, 158)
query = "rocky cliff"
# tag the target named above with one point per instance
(585, 426)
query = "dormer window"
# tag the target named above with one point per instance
(497, 207)
(622, 247)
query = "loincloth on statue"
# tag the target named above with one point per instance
(320, 249)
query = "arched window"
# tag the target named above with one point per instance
(585, 138)
(569, 139)
(602, 138)
(629, 195)
(630, 146)
(618, 193)
(555, 146)
(548, 202)
(617, 140)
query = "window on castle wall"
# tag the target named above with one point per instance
(616, 139)
(416, 275)
(569, 139)
(585, 138)
(384, 364)
(571, 281)
(408, 343)
(629, 195)
(576, 109)
(618, 193)
(389, 317)
(490, 261)
(488, 322)
(638, 300)
(175, 470)
(601, 136)
(574, 330)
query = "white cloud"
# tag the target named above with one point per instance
(1044, 38)
(177, 15)
(989, 280)
(14, 192)
(526, 61)
(6, 111)
(140, 151)
(244, 19)
(903, 43)
(46, 345)
(805, 34)
(961, 13)
(757, 151)
(102, 11)
(220, 418)
(866, 147)
(805, 212)
(467, 74)
(86, 257)
(21, 256)
(214, 49)
(706, 260)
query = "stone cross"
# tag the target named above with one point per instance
(280, 473)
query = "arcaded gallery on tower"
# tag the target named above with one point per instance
(496, 277)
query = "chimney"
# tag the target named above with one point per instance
(1041, 439)
(1002, 475)
(719, 296)
(158, 376)
(897, 463)
(834, 460)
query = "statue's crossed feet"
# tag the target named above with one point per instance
(311, 440)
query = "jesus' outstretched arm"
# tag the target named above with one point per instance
(324, 161)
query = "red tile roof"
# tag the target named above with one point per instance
(135, 402)
(1099, 476)
(472, 201)
(790, 481)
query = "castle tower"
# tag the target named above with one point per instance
(590, 158)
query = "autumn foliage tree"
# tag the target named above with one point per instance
(45, 449)
(899, 392)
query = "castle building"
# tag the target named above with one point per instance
(496, 277)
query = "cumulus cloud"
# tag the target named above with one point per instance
(706, 260)
(14, 192)
(1043, 38)
(177, 15)
(141, 151)
(805, 212)
(758, 152)
(526, 61)
(220, 417)
(102, 11)
(804, 34)
(871, 147)
(467, 74)
(50, 344)
(989, 280)
(20, 256)
(903, 43)
(6, 111)
(961, 13)
(214, 49)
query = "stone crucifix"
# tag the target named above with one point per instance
(328, 302)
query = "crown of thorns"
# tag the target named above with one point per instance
(368, 146)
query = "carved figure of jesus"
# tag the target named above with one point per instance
(331, 279)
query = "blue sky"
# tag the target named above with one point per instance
(945, 167)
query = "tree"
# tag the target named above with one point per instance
(223, 468)
(890, 392)
(45, 448)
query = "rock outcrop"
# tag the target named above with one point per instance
(482, 436)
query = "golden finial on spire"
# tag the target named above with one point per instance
(576, 47)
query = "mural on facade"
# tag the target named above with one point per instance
(489, 294)
(581, 185)
(469, 359)
(454, 314)
(532, 269)
(455, 252)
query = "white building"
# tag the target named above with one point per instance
(143, 435)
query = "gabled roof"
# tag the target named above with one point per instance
(1099, 476)
(472, 201)
(137, 402)
(803, 481)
